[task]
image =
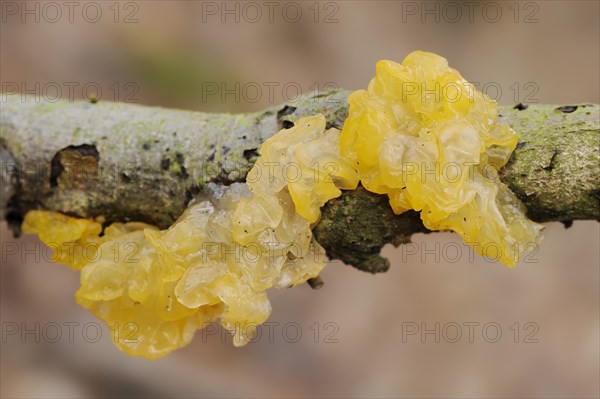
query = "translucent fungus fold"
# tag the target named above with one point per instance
(155, 288)
(428, 139)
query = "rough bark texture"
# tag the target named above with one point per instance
(130, 162)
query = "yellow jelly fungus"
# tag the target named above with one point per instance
(420, 133)
(428, 139)
(155, 288)
(73, 240)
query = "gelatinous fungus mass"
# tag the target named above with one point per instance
(420, 133)
(428, 139)
(156, 288)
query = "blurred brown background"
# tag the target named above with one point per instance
(257, 54)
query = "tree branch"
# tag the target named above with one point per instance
(129, 162)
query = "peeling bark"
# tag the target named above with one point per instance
(128, 162)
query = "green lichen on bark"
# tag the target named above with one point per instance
(152, 161)
(556, 170)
